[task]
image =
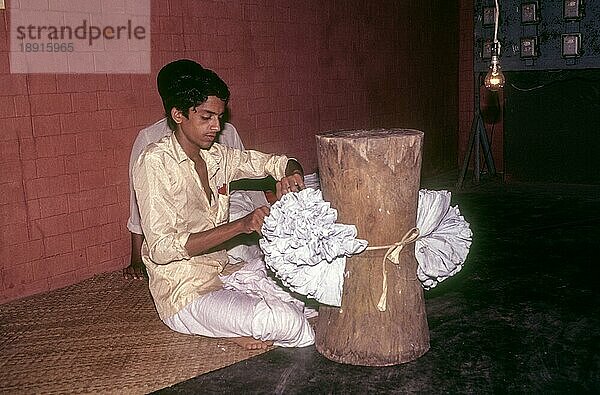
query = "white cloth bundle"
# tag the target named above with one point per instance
(252, 278)
(445, 238)
(242, 203)
(305, 248)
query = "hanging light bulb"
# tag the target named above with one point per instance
(494, 79)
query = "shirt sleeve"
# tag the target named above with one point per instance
(158, 212)
(133, 223)
(146, 136)
(255, 164)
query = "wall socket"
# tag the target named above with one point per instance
(530, 13)
(529, 47)
(571, 45)
(573, 9)
(486, 51)
(489, 16)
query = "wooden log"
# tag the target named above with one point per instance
(372, 178)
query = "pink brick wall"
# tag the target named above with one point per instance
(294, 68)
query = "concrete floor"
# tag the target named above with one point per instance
(523, 316)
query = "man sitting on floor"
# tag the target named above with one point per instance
(182, 188)
(241, 202)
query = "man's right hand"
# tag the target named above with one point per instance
(253, 222)
(202, 242)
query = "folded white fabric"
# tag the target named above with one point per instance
(305, 248)
(445, 238)
(252, 278)
(312, 181)
(242, 203)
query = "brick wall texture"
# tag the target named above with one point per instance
(295, 68)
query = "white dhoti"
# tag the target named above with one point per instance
(249, 305)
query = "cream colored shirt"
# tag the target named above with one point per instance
(173, 205)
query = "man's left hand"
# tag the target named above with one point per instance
(291, 183)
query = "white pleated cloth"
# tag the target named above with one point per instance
(445, 238)
(307, 250)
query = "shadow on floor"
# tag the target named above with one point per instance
(523, 316)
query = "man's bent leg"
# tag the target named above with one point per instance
(229, 313)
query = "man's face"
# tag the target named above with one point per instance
(203, 123)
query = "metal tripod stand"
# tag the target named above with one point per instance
(477, 139)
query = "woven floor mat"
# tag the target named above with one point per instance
(100, 336)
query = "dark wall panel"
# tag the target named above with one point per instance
(552, 126)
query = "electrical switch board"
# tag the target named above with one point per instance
(538, 35)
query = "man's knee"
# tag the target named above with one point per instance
(282, 322)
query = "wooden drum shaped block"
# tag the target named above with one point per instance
(372, 178)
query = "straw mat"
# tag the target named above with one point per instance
(100, 336)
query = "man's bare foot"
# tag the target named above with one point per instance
(135, 271)
(250, 343)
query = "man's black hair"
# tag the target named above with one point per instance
(185, 84)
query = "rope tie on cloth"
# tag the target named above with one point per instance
(393, 254)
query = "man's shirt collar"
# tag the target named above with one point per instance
(210, 156)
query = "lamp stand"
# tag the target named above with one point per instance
(477, 139)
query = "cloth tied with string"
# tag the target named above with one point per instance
(307, 250)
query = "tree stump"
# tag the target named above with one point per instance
(372, 178)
